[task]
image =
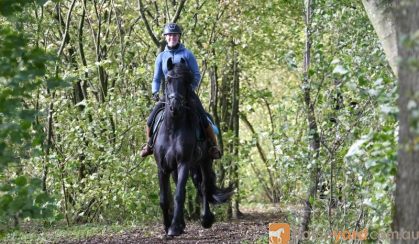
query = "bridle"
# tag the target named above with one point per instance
(170, 97)
(174, 95)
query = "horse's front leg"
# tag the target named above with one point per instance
(165, 198)
(178, 222)
(175, 177)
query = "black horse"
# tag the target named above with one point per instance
(178, 152)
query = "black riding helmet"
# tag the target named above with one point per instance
(172, 28)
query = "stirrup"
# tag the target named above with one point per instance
(215, 152)
(146, 150)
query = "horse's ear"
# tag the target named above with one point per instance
(183, 61)
(169, 64)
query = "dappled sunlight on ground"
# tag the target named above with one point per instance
(251, 227)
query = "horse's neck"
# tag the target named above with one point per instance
(174, 124)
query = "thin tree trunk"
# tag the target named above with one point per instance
(267, 189)
(235, 115)
(48, 145)
(214, 105)
(313, 134)
(67, 25)
(406, 217)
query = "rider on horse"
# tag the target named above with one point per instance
(175, 50)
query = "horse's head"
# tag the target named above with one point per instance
(178, 85)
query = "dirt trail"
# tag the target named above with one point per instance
(251, 228)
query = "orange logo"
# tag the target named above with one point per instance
(279, 233)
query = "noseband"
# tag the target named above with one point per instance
(175, 76)
(177, 96)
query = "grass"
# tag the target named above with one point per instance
(53, 234)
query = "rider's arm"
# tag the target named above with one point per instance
(158, 72)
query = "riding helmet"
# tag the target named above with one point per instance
(172, 28)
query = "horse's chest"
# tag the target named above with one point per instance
(178, 149)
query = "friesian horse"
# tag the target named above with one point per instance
(178, 152)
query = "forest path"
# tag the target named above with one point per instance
(252, 227)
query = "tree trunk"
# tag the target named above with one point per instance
(48, 144)
(406, 217)
(313, 129)
(235, 116)
(383, 21)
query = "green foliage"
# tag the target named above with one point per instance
(10, 7)
(22, 69)
(93, 167)
(354, 97)
(103, 180)
(19, 72)
(355, 103)
(22, 198)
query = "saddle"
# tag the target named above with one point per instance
(155, 125)
(199, 133)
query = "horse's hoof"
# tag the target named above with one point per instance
(167, 237)
(207, 221)
(206, 224)
(175, 231)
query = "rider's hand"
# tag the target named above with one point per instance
(156, 96)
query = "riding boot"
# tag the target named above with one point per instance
(147, 150)
(214, 150)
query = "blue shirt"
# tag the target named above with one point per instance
(160, 67)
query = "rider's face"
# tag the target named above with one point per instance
(172, 39)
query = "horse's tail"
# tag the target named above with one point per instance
(221, 195)
(214, 194)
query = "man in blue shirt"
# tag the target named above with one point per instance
(175, 50)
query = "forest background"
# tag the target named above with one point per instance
(304, 97)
